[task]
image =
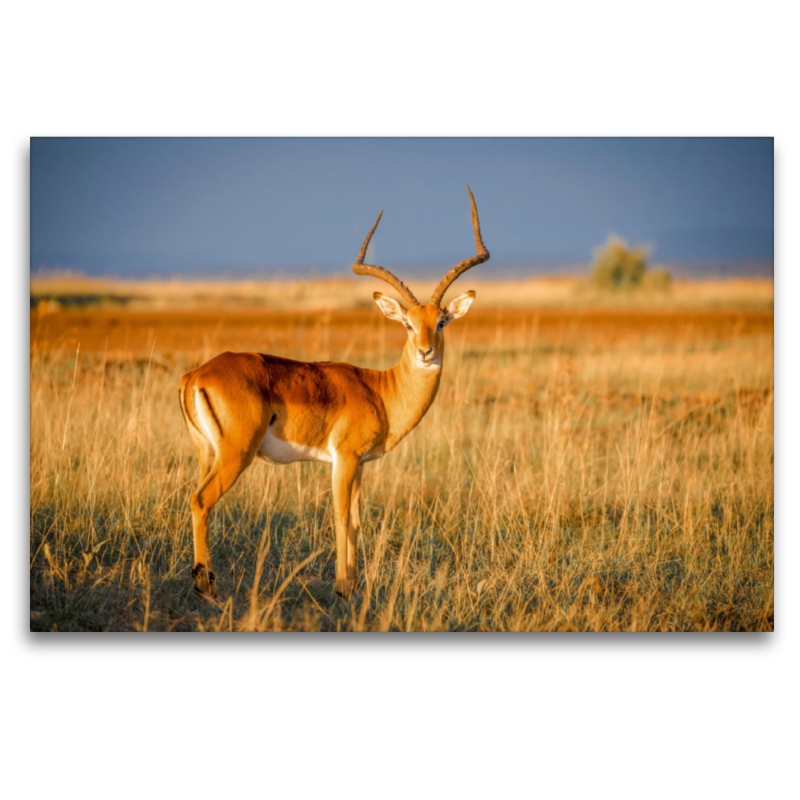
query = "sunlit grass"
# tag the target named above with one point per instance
(349, 292)
(567, 485)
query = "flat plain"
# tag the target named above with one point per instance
(590, 463)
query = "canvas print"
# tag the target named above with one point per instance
(410, 385)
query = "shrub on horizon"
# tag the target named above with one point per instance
(619, 267)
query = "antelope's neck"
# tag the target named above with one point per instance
(408, 391)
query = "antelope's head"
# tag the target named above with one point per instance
(425, 324)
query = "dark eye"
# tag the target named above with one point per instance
(440, 325)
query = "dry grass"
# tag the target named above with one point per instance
(346, 293)
(580, 470)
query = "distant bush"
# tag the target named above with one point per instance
(617, 267)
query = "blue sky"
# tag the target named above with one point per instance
(256, 206)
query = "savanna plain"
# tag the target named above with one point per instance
(591, 463)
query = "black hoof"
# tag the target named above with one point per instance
(347, 591)
(205, 581)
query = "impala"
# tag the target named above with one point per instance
(243, 406)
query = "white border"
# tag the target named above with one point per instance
(477, 716)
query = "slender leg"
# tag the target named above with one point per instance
(353, 527)
(220, 478)
(345, 468)
(223, 455)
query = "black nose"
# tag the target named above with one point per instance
(425, 353)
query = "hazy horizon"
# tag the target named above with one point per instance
(300, 207)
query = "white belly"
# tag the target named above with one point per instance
(279, 451)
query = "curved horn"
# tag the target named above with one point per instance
(458, 269)
(360, 268)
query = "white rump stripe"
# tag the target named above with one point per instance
(209, 425)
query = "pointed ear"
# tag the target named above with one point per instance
(390, 307)
(458, 307)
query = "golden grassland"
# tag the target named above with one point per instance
(586, 466)
(347, 292)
